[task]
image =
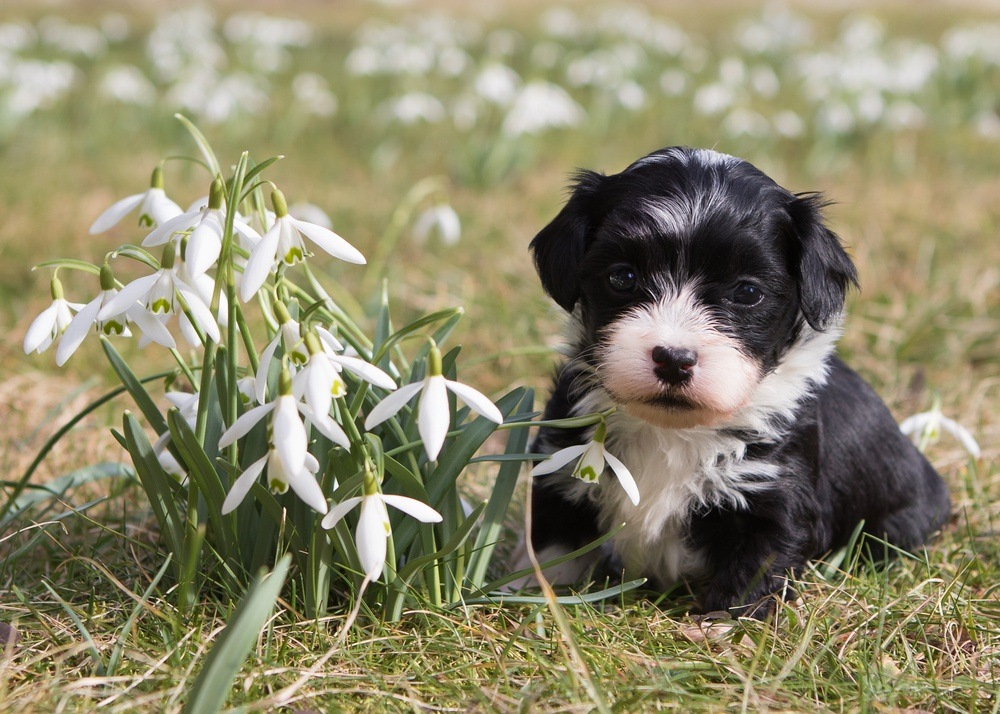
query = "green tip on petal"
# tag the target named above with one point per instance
(588, 474)
(278, 201)
(56, 287)
(215, 194)
(600, 432)
(434, 368)
(285, 383)
(107, 277)
(156, 180)
(169, 254)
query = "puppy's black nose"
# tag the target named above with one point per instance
(674, 365)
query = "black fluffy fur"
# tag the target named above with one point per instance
(840, 457)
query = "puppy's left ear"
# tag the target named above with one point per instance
(824, 270)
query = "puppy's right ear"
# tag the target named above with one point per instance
(559, 247)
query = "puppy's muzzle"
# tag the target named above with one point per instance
(674, 365)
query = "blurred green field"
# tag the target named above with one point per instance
(892, 110)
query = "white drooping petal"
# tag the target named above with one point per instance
(477, 401)
(77, 330)
(41, 329)
(953, 428)
(371, 536)
(391, 404)
(135, 291)
(260, 379)
(151, 328)
(205, 244)
(242, 426)
(259, 266)
(339, 511)
(158, 207)
(624, 477)
(305, 486)
(434, 416)
(242, 486)
(326, 426)
(289, 434)
(412, 507)
(328, 339)
(329, 242)
(558, 460)
(368, 372)
(163, 232)
(200, 312)
(913, 425)
(117, 211)
(247, 231)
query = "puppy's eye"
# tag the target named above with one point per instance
(747, 294)
(623, 279)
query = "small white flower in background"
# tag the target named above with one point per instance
(319, 381)
(590, 461)
(925, 428)
(540, 106)
(52, 322)
(442, 218)
(154, 207)
(283, 244)
(287, 431)
(113, 326)
(302, 482)
(372, 534)
(204, 229)
(434, 416)
(161, 294)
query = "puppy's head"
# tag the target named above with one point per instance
(691, 275)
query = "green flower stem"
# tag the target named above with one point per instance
(247, 337)
(183, 366)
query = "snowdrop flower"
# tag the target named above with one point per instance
(290, 338)
(319, 381)
(154, 207)
(287, 430)
(434, 416)
(441, 217)
(206, 227)
(283, 244)
(112, 326)
(161, 294)
(590, 461)
(373, 530)
(925, 428)
(52, 322)
(302, 482)
(540, 106)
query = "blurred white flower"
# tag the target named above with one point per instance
(434, 415)
(925, 428)
(372, 534)
(154, 207)
(312, 94)
(442, 219)
(127, 84)
(51, 322)
(539, 106)
(413, 107)
(590, 459)
(497, 83)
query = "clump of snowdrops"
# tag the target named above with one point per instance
(284, 427)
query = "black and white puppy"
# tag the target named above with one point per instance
(705, 301)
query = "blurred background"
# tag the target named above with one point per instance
(890, 109)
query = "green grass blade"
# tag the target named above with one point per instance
(503, 490)
(134, 387)
(203, 145)
(95, 654)
(581, 599)
(224, 661)
(119, 648)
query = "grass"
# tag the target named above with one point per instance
(917, 208)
